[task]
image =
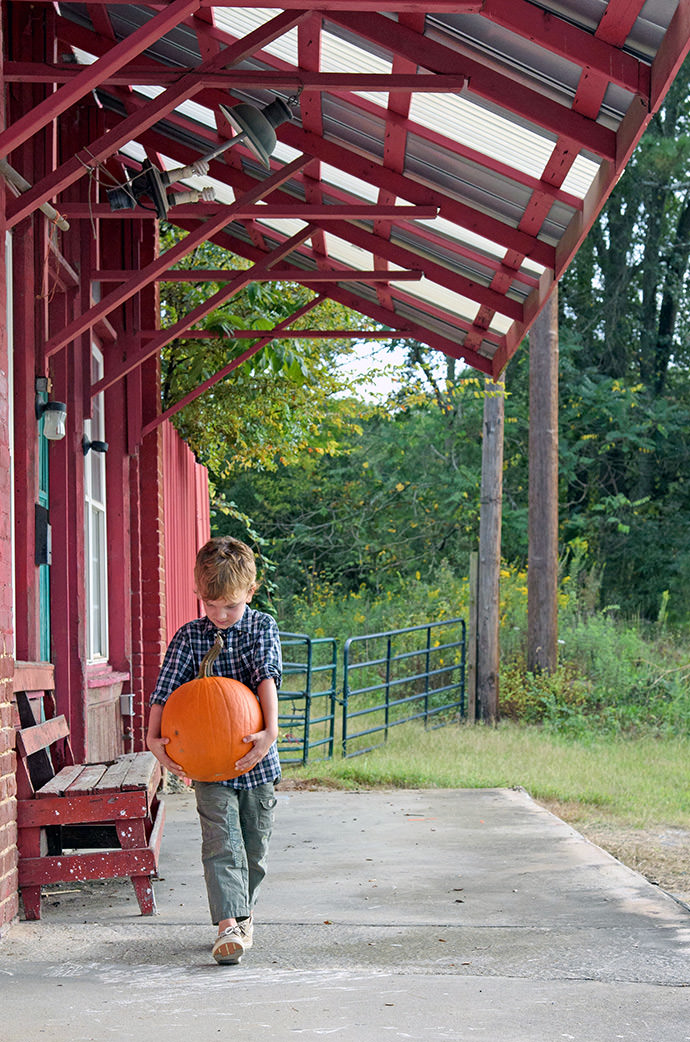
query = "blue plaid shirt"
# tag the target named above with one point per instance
(251, 654)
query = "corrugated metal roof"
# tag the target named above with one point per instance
(516, 162)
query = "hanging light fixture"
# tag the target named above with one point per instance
(253, 126)
(256, 127)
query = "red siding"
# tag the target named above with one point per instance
(8, 829)
(187, 526)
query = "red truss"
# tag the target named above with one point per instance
(444, 162)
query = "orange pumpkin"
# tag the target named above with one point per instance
(206, 720)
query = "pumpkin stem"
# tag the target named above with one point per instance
(211, 656)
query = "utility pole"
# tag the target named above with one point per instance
(490, 553)
(542, 568)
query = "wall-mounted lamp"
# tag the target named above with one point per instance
(54, 415)
(255, 127)
(97, 446)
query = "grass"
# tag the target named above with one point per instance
(634, 782)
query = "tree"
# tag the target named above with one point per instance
(397, 497)
(270, 407)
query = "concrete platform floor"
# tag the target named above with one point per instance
(431, 915)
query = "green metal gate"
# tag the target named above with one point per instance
(395, 677)
(307, 698)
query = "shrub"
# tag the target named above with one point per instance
(614, 676)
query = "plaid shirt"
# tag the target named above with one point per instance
(251, 654)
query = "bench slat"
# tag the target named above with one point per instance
(62, 780)
(113, 778)
(141, 769)
(32, 739)
(87, 779)
(108, 864)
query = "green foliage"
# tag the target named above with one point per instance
(613, 677)
(270, 405)
(397, 494)
(331, 611)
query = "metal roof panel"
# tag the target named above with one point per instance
(517, 162)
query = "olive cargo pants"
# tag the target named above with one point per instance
(236, 827)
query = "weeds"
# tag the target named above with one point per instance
(614, 677)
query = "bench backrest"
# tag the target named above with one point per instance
(32, 739)
(38, 755)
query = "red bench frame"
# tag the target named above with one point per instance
(95, 803)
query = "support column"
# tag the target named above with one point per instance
(490, 553)
(542, 571)
(9, 902)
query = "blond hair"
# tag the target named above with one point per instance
(225, 569)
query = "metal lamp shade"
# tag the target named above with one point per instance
(257, 126)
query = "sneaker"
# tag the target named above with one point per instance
(247, 931)
(229, 946)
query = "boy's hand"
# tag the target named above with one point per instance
(263, 741)
(157, 747)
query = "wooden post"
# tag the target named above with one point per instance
(542, 571)
(490, 553)
(471, 651)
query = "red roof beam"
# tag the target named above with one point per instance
(412, 329)
(671, 54)
(454, 6)
(288, 334)
(274, 275)
(138, 280)
(535, 184)
(442, 276)
(425, 234)
(673, 51)
(197, 314)
(90, 76)
(555, 34)
(158, 76)
(383, 315)
(227, 369)
(145, 116)
(309, 41)
(486, 82)
(405, 187)
(417, 302)
(618, 19)
(265, 212)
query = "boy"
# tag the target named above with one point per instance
(236, 815)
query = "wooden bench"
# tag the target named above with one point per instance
(66, 809)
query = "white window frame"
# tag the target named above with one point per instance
(95, 526)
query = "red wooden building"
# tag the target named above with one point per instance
(434, 164)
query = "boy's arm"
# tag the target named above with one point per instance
(157, 744)
(263, 740)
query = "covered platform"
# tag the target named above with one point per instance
(437, 915)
